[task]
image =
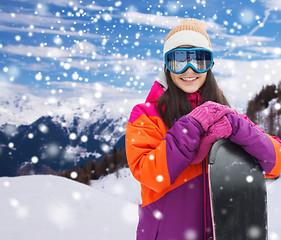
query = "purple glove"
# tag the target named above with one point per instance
(221, 129)
(208, 113)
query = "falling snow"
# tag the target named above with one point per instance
(63, 58)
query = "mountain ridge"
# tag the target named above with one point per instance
(59, 133)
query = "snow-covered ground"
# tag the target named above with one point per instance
(274, 209)
(51, 207)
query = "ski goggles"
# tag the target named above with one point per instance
(179, 59)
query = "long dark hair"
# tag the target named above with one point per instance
(174, 103)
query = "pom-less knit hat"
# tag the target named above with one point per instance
(191, 32)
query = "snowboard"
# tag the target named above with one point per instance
(237, 192)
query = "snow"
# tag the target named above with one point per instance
(130, 43)
(21, 106)
(93, 62)
(120, 184)
(52, 207)
(82, 106)
(274, 209)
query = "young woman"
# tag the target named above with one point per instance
(168, 138)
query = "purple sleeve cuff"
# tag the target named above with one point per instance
(182, 142)
(253, 140)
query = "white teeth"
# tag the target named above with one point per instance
(189, 79)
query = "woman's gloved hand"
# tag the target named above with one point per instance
(209, 113)
(220, 129)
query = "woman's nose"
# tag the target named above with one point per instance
(189, 69)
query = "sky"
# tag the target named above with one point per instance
(58, 46)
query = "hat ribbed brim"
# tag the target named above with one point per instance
(186, 37)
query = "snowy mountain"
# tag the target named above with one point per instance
(64, 101)
(62, 131)
(59, 146)
(49, 207)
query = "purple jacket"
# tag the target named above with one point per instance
(175, 193)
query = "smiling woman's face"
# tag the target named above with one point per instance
(189, 81)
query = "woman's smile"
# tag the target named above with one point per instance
(189, 81)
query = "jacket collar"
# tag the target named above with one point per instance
(155, 92)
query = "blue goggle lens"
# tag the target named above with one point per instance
(178, 60)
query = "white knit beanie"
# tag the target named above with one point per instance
(191, 32)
